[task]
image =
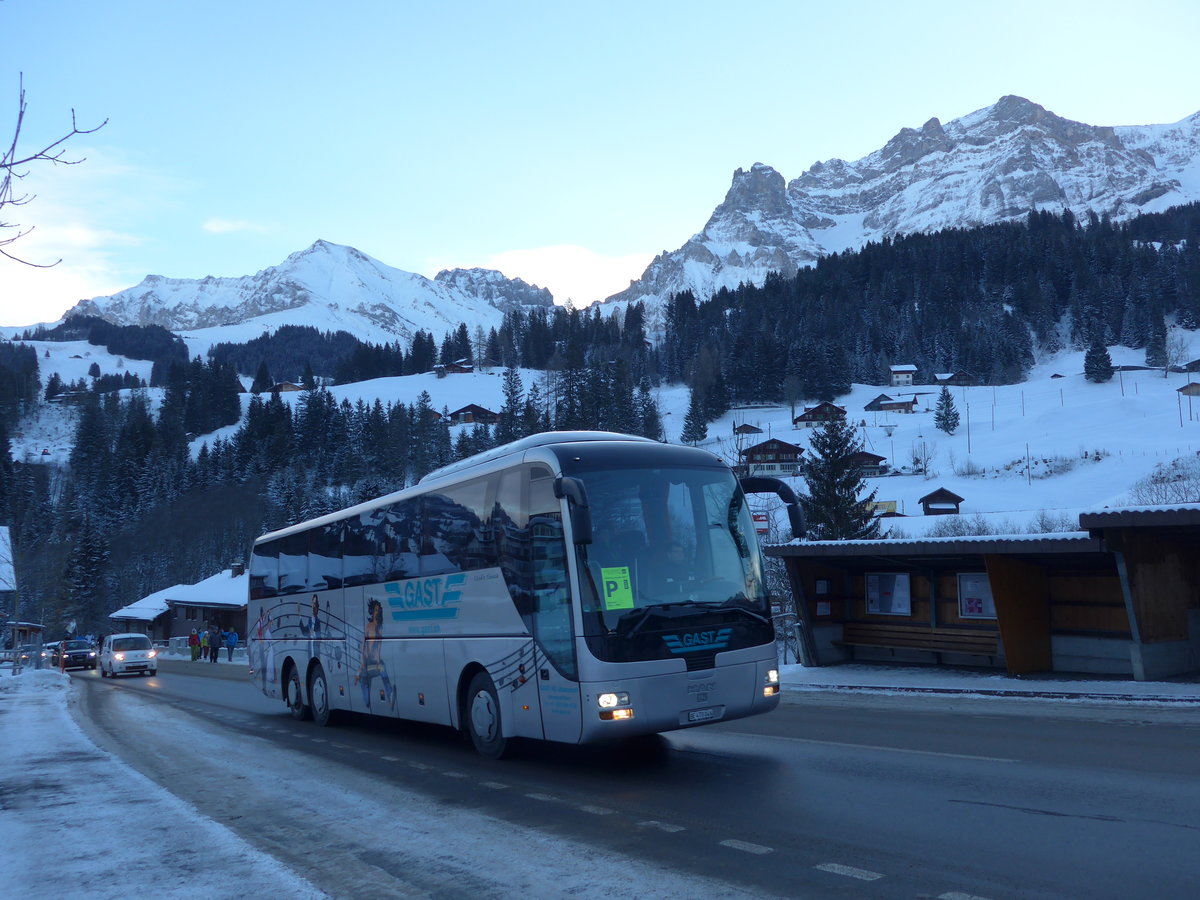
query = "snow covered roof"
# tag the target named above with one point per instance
(222, 589)
(904, 368)
(1167, 514)
(975, 545)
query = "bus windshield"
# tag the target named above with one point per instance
(671, 537)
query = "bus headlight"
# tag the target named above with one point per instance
(772, 676)
(612, 700)
(771, 683)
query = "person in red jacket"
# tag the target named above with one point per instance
(194, 644)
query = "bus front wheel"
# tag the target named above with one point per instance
(483, 717)
(295, 696)
(318, 696)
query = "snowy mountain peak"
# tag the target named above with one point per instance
(992, 165)
(326, 285)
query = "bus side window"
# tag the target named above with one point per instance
(264, 571)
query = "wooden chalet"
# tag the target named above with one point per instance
(772, 457)
(747, 429)
(474, 414)
(954, 379)
(940, 503)
(1191, 389)
(458, 367)
(869, 464)
(818, 415)
(884, 403)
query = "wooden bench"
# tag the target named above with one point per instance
(920, 637)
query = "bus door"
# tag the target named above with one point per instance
(553, 633)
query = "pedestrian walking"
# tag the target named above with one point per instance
(231, 642)
(204, 644)
(194, 644)
(214, 643)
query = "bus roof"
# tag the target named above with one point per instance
(610, 444)
(528, 443)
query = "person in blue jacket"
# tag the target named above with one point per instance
(231, 642)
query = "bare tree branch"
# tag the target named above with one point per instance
(13, 169)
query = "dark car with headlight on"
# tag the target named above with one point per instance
(79, 654)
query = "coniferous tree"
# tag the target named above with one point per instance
(1097, 364)
(945, 416)
(508, 428)
(832, 506)
(695, 428)
(262, 379)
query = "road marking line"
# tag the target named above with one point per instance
(547, 798)
(873, 747)
(390, 758)
(747, 847)
(495, 785)
(849, 871)
(958, 895)
(454, 774)
(662, 826)
(596, 810)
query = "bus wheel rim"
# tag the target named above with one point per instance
(483, 716)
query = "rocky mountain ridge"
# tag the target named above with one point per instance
(993, 165)
(329, 286)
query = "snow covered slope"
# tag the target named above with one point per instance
(327, 286)
(993, 165)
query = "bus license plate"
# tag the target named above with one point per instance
(701, 715)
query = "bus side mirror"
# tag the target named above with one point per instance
(759, 484)
(581, 513)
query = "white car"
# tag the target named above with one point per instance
(125, 654)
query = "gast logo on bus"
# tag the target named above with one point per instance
(698, 640)
(435, 597)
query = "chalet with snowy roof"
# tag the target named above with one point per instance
(1115, 598)
(474, 414)
(940, 503)
(286, 387)
(175, 611)
(954, 379)
(458, 367)
(902, 375)
(1191, 389)
(747, 429)
(870, 465)
(818, 415)
(772, 457)
(884, 403)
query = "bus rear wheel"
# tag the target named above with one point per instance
(483, 717)
(318, 696)
(295, 696)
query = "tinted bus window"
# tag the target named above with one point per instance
(455, 538)
(325, 557)
(293, 563)
(264, 571)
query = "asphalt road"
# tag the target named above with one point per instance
(831, 795)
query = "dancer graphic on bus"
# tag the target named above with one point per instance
(371, 665)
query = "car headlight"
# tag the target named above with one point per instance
(153, 653)
(119, 657)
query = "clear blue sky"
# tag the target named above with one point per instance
(562, 143)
